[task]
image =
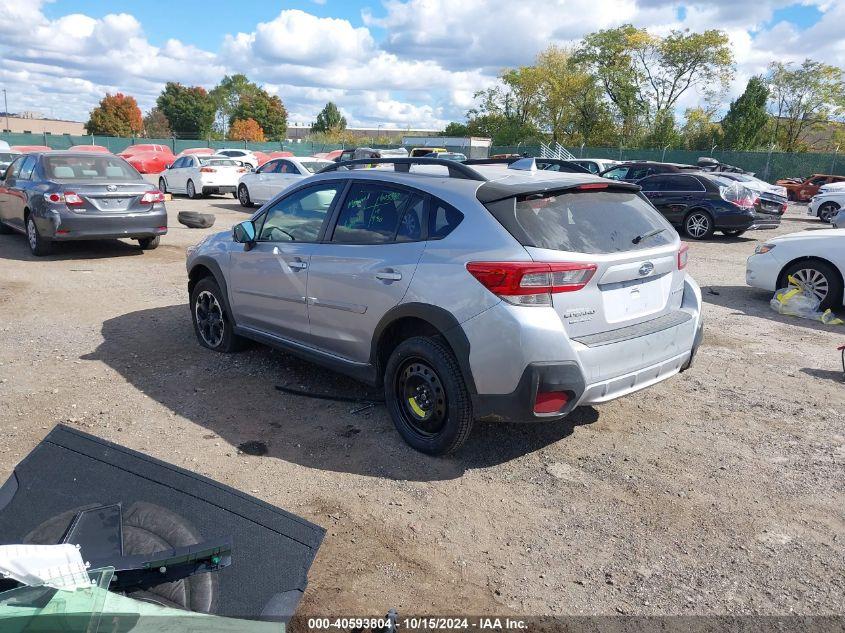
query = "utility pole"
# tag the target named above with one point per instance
(6, 109)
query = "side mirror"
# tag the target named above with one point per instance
(169, 165)
(244, 232)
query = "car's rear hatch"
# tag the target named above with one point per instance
(634, 250)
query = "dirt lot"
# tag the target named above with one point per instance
(719, 491)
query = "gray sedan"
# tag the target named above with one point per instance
(61, 196)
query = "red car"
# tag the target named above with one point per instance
(25, 149)
(148, 159)
(277, 154)
(89, 148)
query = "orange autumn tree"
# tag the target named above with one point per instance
(117, 115)
(246, 130)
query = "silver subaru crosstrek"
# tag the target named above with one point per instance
(484, 292)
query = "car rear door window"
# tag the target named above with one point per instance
(653, 183)
(618, 173)
(298, 217)
(635, 173)
(681, 183)
(27, 167)
(371, 214)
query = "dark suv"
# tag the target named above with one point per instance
(702, 203)
(638, 169)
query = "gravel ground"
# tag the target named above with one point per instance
(717, 492)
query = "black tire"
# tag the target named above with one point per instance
(149, 243)
(446, 419)
(828, 211)
(732, 233)
(5, 230)
(829, 291)
(235, 195)
(218, 333)
(195, 220)
(698, 225)
(37, 243)
(162, 185)
(191, 190)
(243, 196)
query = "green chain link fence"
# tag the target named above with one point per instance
(766, 165)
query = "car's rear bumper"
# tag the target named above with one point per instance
(207, 189)
(71, 226)
(527, 358)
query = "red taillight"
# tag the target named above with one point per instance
(683, 255)
(591, 185)
(207, 170)
(54, 197)
(550, 401)
(783, 208)
(151, 197)
(531, 283)
(73, 200)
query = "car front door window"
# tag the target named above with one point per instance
(298, 217)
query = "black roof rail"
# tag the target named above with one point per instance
(403, 164)
(571, 167)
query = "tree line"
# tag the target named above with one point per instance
(622, 86)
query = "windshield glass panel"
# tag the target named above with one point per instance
(313, 165)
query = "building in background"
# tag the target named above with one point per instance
(32, 123)
(470, 146)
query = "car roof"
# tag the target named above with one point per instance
(75, 154)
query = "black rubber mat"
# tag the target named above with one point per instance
(272, 549)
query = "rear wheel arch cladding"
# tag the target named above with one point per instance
(442, 324)
(206, 267)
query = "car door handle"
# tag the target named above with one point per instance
(388, 275)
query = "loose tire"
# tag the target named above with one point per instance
(828, 211)
(819, 277)
(426, 396)
(37, 244)
(149, 243)
(212, 322)
(729, 233)
(191, 190)
(162, 185)
(698, 225)
(243, 196)
(195, 220)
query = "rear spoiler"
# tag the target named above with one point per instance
(494, 191)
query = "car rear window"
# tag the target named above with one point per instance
(314, 165)
(218, 162)
(593, 222)
(89, 168)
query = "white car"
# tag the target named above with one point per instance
(274, 176)
(594, 165)
(826, 203)
(201, 175)
(816, 259)
(247, 157)
(838, 222)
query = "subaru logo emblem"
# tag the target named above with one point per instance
(646, 268)
(111, 187)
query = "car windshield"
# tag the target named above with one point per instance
(218, 162)
(91, 167)
(314, 166)
(583, 222)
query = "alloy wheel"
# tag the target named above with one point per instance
(243, 195)
(698, 225)
(813, 281)
(31, 233)
(191, 191)
(209, 315)
(421, 396)
(827, 212)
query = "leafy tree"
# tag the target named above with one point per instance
(700, 131)
(455, 129)
(268, 110)
(329, 118)
(645, 75)
(190, 110)
(117, 115)
(802, 98)
(746, 119)
(246, 130)
(156, 124)
(664, 131)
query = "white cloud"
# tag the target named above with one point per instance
(412, 63)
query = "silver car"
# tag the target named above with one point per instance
(61, 196)
(465, 292)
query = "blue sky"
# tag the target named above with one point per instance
(395, 63)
